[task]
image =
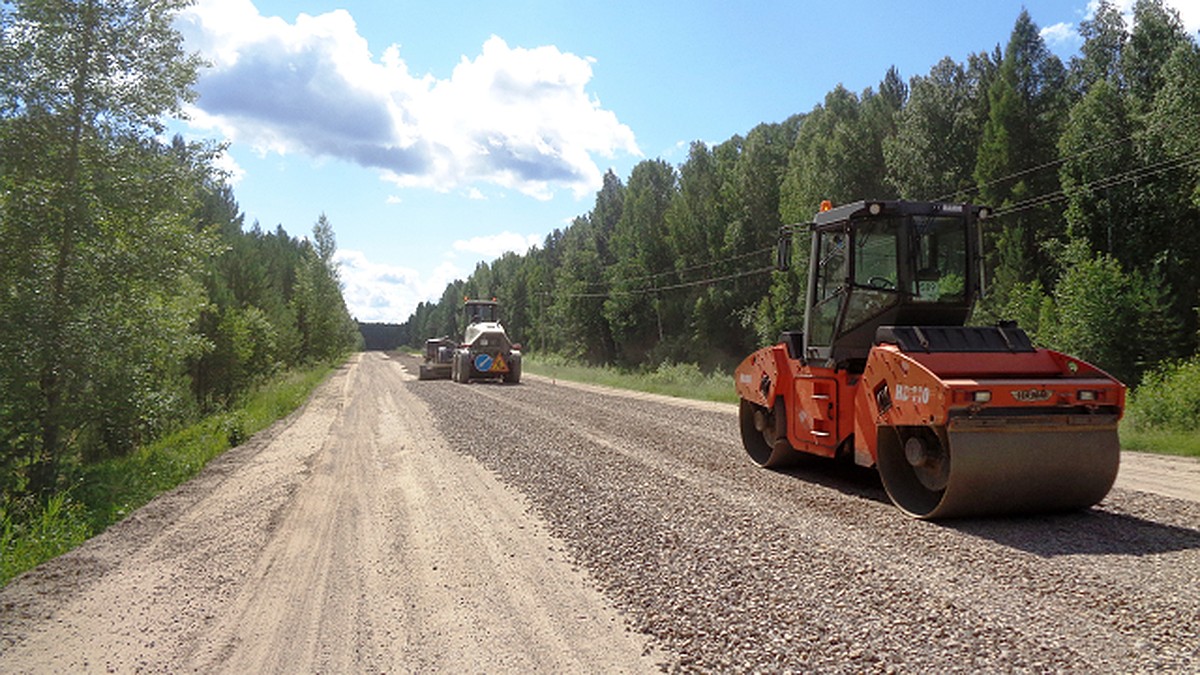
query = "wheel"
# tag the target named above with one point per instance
(881, 282)
(764, 435)
(513, 376)
(462, 368)
(977, 470)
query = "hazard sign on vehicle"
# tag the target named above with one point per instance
(484, 363)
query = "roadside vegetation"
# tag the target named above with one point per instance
(683, 380)
(34, 530)
(140, 315)
(1091, 165)
(1163, 414)
(143, 327)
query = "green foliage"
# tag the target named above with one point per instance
(130, 298)
(682, 380)
(1089, 318)
(1168, 399)
(99, 251)
(1093, 250)
(933, 151)
(1121, 321)
(1025, 112)
(1157, 32)
(33, 531)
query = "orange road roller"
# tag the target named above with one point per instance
(958, 420)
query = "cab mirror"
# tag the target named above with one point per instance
(783, 250)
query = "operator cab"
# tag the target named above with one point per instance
(481, 311)
(886, 263)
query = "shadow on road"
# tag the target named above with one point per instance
(841, 475)
(1090, 532)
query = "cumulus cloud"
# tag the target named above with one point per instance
(1062, 35)
(493, 246)
(518, 118)
(376, 292)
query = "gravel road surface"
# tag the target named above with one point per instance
(396, 525)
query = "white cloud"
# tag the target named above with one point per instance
(493, 246)
(517, 118)
(1062, 35)
(233, 171)
(1189, 12)
(376, 292)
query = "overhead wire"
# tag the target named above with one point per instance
(671, 287)
(1105, 182)
(1033, 202)
(1045, 165)
(682, 270)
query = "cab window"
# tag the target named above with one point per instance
(940, 263)
(832, 271)
(875, 255)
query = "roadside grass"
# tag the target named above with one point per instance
(34, 531)
(1180, 443)
(1162, 414)
(683, 380)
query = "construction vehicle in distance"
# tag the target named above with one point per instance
(958, 420)
(485, 351)
(439, 357)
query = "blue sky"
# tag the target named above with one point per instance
(437, 135)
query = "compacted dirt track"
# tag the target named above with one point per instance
(348, 538)
(396, 525)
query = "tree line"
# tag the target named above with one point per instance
(132, 300)
(1093, 167)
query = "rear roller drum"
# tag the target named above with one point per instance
(914, 464)
(764, 435)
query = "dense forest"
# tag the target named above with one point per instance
(1093, 168)
(132, 300)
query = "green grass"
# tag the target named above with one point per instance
(1163, 413)
(1181, 443)
(683, 380)
(32, 532)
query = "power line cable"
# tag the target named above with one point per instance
(690, 268)
(1105, 182)
(671, 287)
(1045, 165)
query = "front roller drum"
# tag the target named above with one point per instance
(995, 467)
